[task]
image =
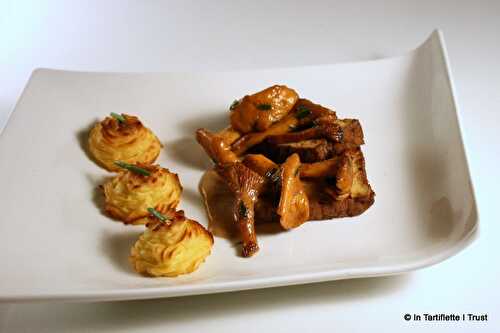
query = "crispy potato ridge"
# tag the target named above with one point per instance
(130, 142)
(171, 248)
(129, 195)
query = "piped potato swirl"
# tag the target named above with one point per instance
(129, 194)
(171, 248)
(124, 139)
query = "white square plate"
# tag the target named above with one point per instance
(56, 244)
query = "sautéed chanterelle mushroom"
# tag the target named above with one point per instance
(287, 160)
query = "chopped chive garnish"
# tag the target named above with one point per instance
(118, 117)
(274, 175)
(133, 168)
(243, 210)
(264, 107)
(234, 104)
(302, 112)
(157, 214)
(296, 172)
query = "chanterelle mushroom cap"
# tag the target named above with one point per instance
(260, 110)
(215, 147)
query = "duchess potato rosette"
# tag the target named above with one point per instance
(122, 138)
(171, 245)
(129, 195)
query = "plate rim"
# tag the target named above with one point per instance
(275, 281)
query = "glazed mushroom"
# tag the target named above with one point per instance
(303, 114)
(229, 135)
(308, 112)
(344, 174)
(320, 169)
(339, 131)
(263, 165)
(330, 178)
(215, 146)
(288, 130)
(259, 163)
(352, 135)
(307, 134)
(260, 110)
(360, 188)
(343, 177)
(293, 207)
(246, 186)
(249, 140)
(337, 172)
(325, 127)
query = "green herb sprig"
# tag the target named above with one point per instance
(158, 215)
(234, 104)
(264, 107)
(121, 119)
(274, 175)
(302, 112)
(133, 168)
(297, 171)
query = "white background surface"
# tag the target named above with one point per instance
(175, 36)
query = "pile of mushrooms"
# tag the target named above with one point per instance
(277, 115)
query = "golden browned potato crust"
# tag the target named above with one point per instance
(111, 140)
(177, 246)
(129, 195)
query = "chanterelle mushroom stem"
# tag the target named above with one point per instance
(246, 186)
